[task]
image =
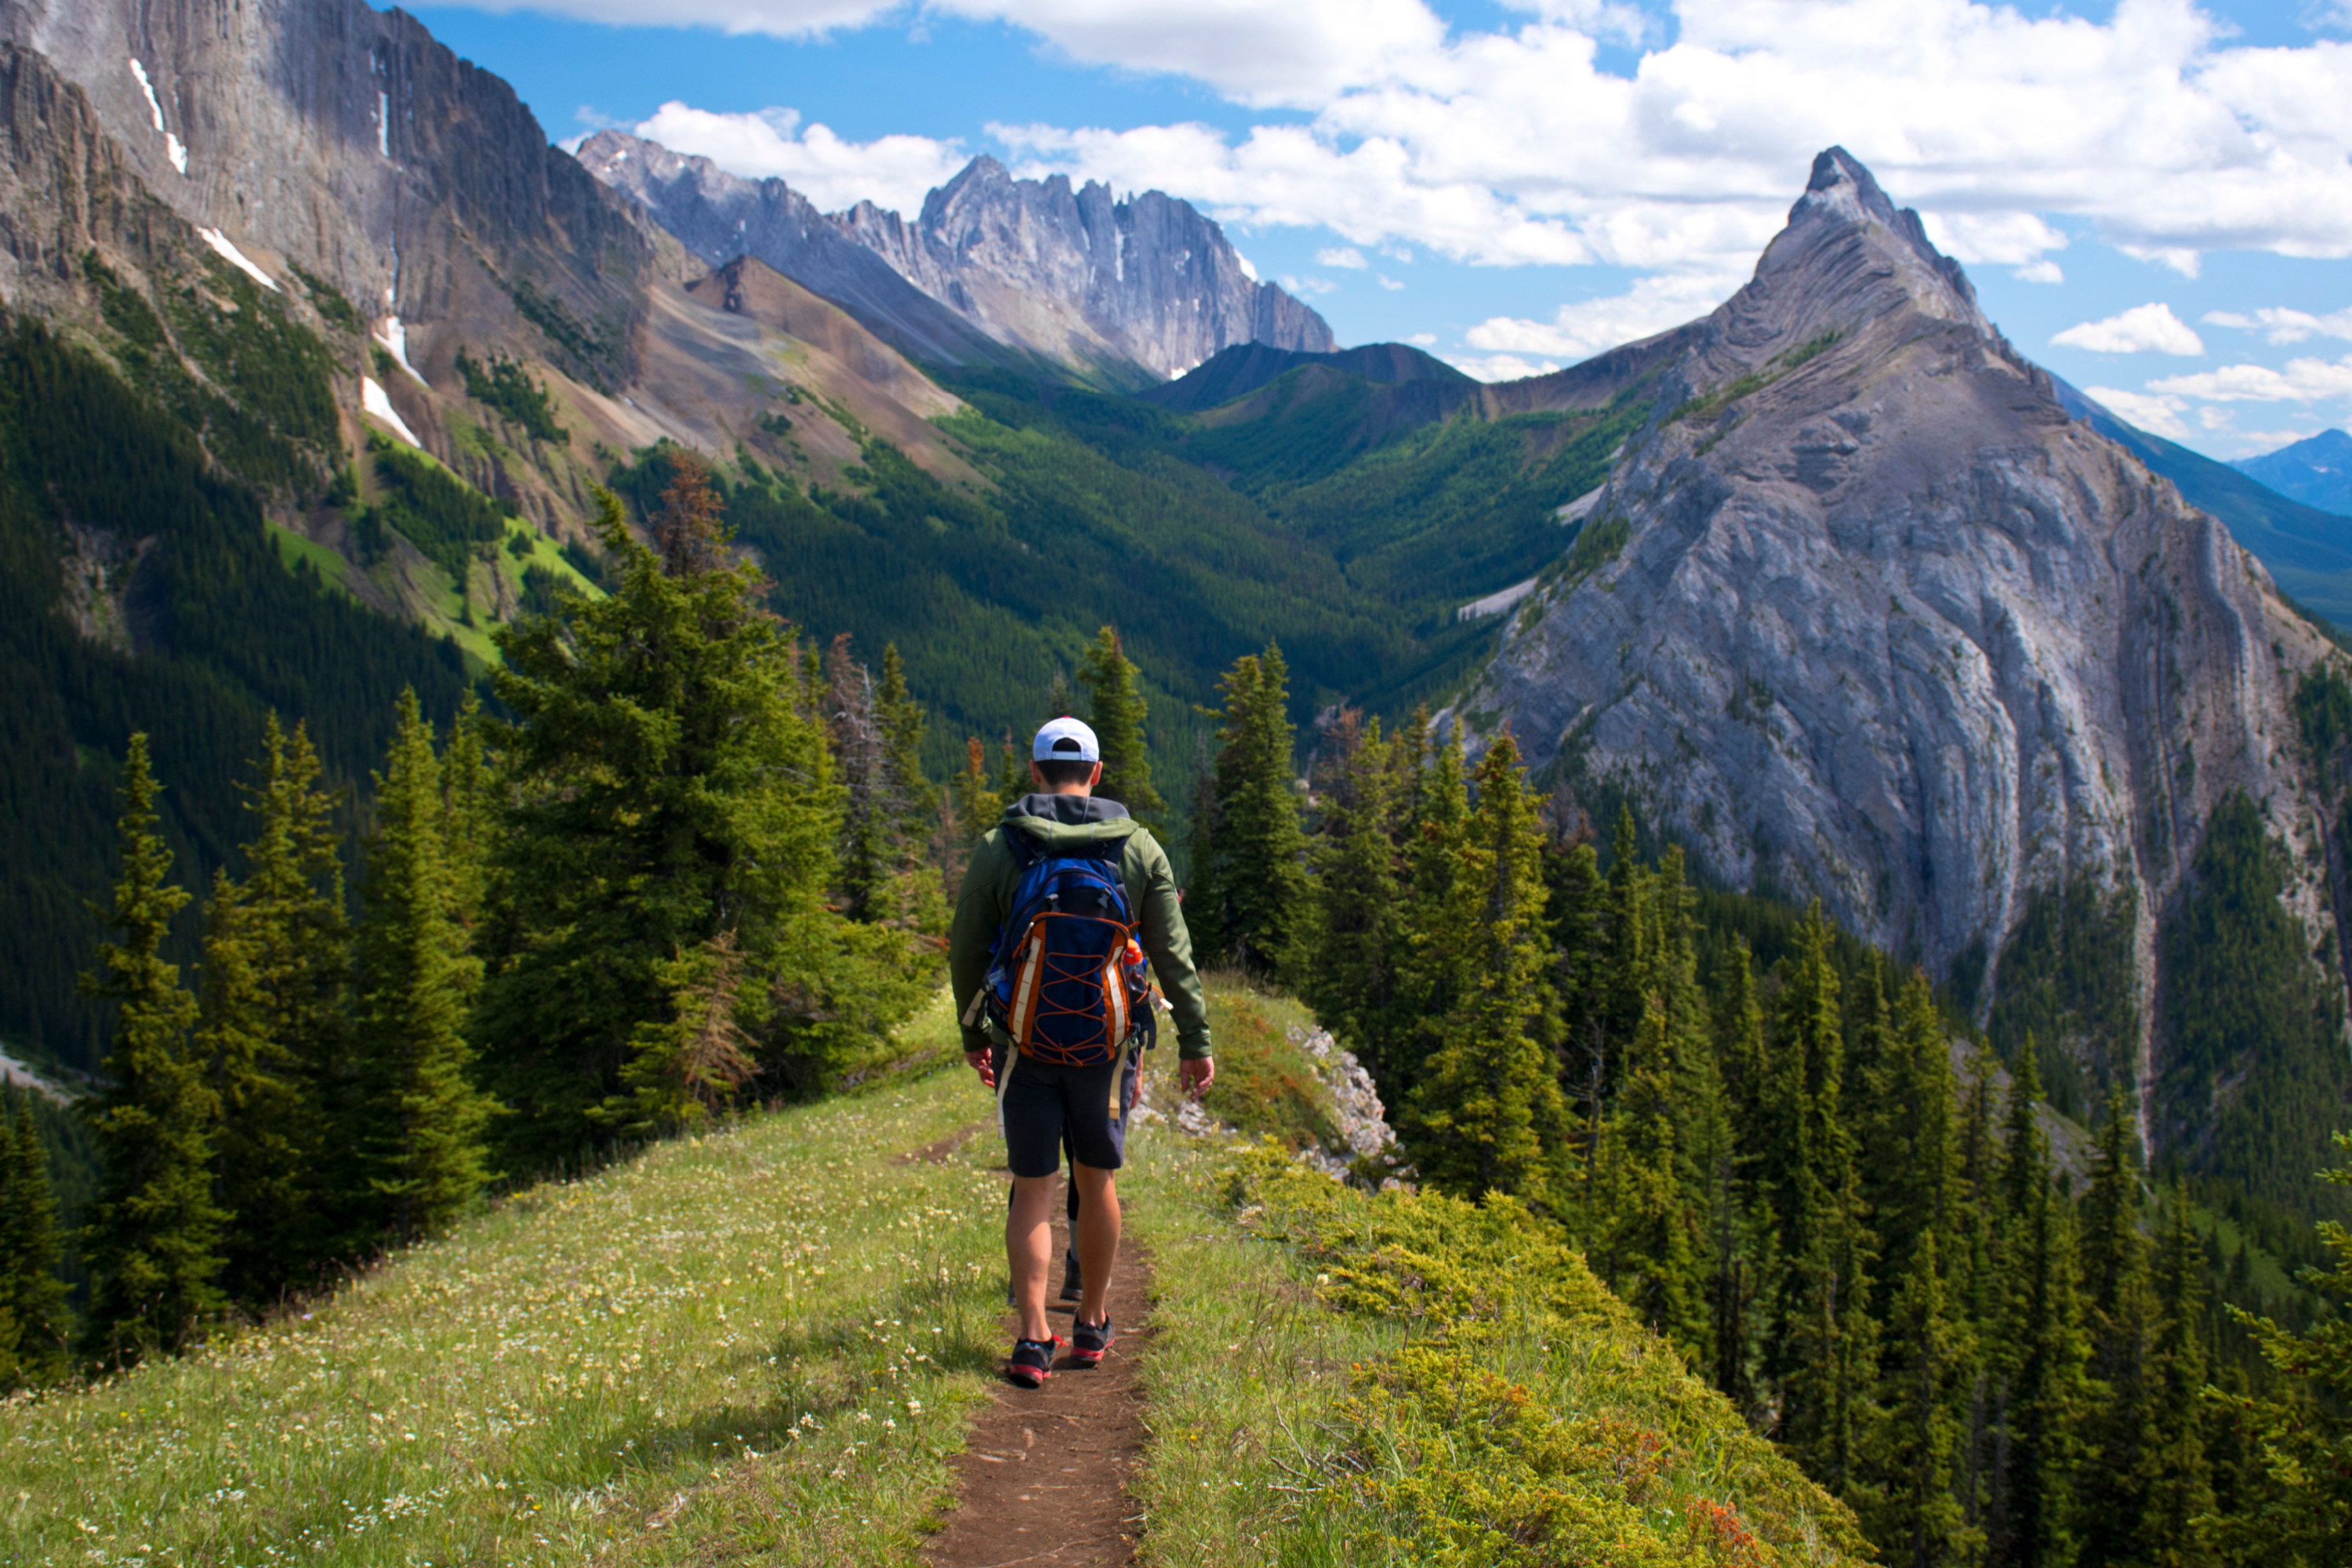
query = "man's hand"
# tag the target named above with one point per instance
(1196, 1073)
(980, 1063)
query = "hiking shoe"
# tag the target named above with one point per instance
(1092, 1341)
(1073, 1283)
(1033, 1361)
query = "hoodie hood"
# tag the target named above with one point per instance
(1055, 820)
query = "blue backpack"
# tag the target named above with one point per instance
(1067, 979)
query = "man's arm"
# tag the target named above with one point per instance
(972, 935)
(1169, 945)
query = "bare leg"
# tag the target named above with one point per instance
(1029, 1247)
(1097, 1235)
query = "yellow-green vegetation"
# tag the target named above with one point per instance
(1343, 1377)
(1265, 1086)
(758, 1343)
(295, 550)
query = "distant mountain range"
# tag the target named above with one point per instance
(2316, 470)
(1069, 275)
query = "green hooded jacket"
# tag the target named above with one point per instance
(986, 902)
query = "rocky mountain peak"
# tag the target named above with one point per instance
(1864, 615)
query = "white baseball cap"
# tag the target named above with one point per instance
(1065, 740)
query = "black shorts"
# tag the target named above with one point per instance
(1042, 1105)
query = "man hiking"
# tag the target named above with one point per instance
(1064, 902)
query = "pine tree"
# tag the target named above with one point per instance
(682, 1068)
(1248, 875)
(272, 1031)
(665, 780)
(872, 808)
(1432, 969)
(2294, 1509)
(419, 1137)
(1487, 1115)
(33, 1308)
(2041, 1367)
(1651, 1248)
(979, 806)
(1744, 1241)
(2120, 1313)
(1346, 964)
(903, 724)
(1116, 711)
(2180, 1491)
(154, 1233)
(469, 808)
(1916, 1518)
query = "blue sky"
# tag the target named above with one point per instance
(2166, 187)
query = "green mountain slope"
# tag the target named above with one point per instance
(139, 589)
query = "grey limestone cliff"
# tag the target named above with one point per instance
(1864, 615)
(1036, 265)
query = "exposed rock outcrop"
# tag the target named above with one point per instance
(1035, 265)
(1864, 615)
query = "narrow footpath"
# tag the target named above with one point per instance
(1044, 1482)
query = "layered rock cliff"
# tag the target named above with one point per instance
(1068, 273)
(1864, 615)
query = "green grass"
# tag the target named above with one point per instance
(1263, 1085)
(759, 1343)
(294, 549)
(1340, 1377)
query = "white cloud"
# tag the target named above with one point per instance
(1423, 339)
(1302, 287)
(1387, 282)
(894, 171)
(1585, 328)
(1341, 256)
(2284, 326)
(2143, 328)
(2041, 272)
(2157, 415)
(2303, 381)
(1500, 367)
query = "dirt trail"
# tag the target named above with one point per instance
(1043, 1483)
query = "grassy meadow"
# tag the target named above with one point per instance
(762, 1344)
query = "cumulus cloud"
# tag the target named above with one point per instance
(2143, 328)
(2302, 381)
(2283, 326)
(894, 171)
(1346, 256)
(1500, 367)
(2044, 271)
(1585, 328)
(2153, 413)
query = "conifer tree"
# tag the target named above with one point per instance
(35, 1320)
(1743, 1239)
(1917, 1516)
(1115, 710)
(1487, 1114)
(419, 1135)
(2040, 1402)
(1248, 875)
(665, 780)
(1431, 967)
(2295, 1506)
(979, 804)
(2120, 1313)
(2178, 1497)
(682, 1068)
(1651, 1247)
(272, 1031)
(154, 1233)
(469, 808)
(1345, 965)
(903, 723)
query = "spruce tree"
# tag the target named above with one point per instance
(38, 1321)
(665, 780)
(273, 1030)
(1431, 967)
(1248, 875)
(2293, 1506)
(153, 1238)
(1345, 967)
(2120, 1313)
(682, 1068)
(1916, 1517)
(469, 808)
(1651, 1248)
(2040, 1399)
(979, 805)
(2179, 1496)
(1486, 1115)
(419, 1135)
(1115, 710)
(903, 725)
